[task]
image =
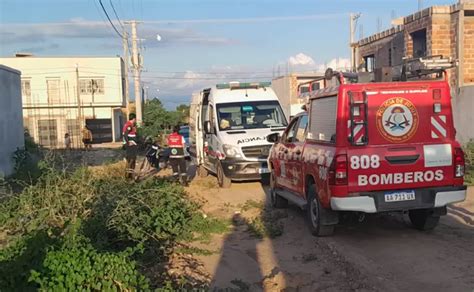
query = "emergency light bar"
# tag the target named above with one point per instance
(239, 85)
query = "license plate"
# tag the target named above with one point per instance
(263, 170)
(400, 196)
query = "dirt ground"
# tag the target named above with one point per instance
(382, 253)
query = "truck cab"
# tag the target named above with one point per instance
(370, 148)
(229, 126)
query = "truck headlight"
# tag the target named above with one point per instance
(231, 151)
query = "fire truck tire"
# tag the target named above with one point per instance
(278, 202)
(313, 215)
(223, 181)
(423, 219)
(202, 171)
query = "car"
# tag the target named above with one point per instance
(370, 148)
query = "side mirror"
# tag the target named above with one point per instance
(208, 127)
(273, 138)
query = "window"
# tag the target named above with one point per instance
(315, 86)
(250, 115)
(369, 63)
(26, 90)
(323, 119)
(419, 43)
(47, 132)
(301, 130)
(53, 91)
(91, 86)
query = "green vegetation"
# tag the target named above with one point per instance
(469, 150)
(268, 224)
(90, 229)
(157, 119)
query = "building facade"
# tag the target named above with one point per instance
(286, 88)
(438, 30)
(62, 95)
(11, 119)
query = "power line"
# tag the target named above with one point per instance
(115, 12)
(108, 17)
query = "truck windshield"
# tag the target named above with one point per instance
(250, 115)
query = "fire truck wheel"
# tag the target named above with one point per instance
(277, 201)
(423, 219)
(223, 181)
(314, 213)
(202, 171)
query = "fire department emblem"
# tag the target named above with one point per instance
(397, 120)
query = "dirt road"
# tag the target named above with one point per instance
(383, 253)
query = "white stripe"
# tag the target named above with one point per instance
(443, 118)
(438, 126)
(433, 135)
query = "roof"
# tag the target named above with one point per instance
(239, 95)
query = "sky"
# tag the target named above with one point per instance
(203, 42)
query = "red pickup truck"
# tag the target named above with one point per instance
(370, 147)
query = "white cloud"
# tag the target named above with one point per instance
(301, 60)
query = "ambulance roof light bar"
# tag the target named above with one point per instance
(239, 85)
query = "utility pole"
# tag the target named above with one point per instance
(352, 27)
(136, 60)
(125, 61)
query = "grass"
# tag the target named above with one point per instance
(268, 224)
(194, 251)
(251, 204)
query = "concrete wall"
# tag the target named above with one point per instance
(63, 111)
(463, 108)
(11, 119)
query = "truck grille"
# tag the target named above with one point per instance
(260, 152)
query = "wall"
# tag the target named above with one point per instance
(11, 119)
(63, 113)
(463, 105)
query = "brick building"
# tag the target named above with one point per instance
(438, 30)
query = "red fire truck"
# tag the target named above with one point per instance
(370, 148)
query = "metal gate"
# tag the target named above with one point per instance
(101, 130)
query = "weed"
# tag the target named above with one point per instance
(469, 150)
(267, 224)
(251, 204)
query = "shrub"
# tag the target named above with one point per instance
(76, 266)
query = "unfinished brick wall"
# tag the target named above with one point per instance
(468, 49)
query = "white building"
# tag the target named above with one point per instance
(61, 94)
(11, 121)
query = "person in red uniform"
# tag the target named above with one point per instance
(130, 142)
(176, 144)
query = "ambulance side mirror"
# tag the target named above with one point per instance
(273, 138)
(208, 127)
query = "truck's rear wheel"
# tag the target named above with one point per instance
(314, 213)
(423, 219)
(276, 200)
(222, 180)
(202, 171)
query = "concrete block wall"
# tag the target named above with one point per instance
(11, 118)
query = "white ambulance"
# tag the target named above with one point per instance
(229, 124)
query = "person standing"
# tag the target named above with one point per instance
(87, 137)
(176, 143)
(129, 133)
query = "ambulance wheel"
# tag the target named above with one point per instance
(278, 202)
(423, 219)
(314, 213)
(223, 181)
(202, 171)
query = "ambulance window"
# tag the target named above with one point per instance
(322, 126)
(301, 130)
